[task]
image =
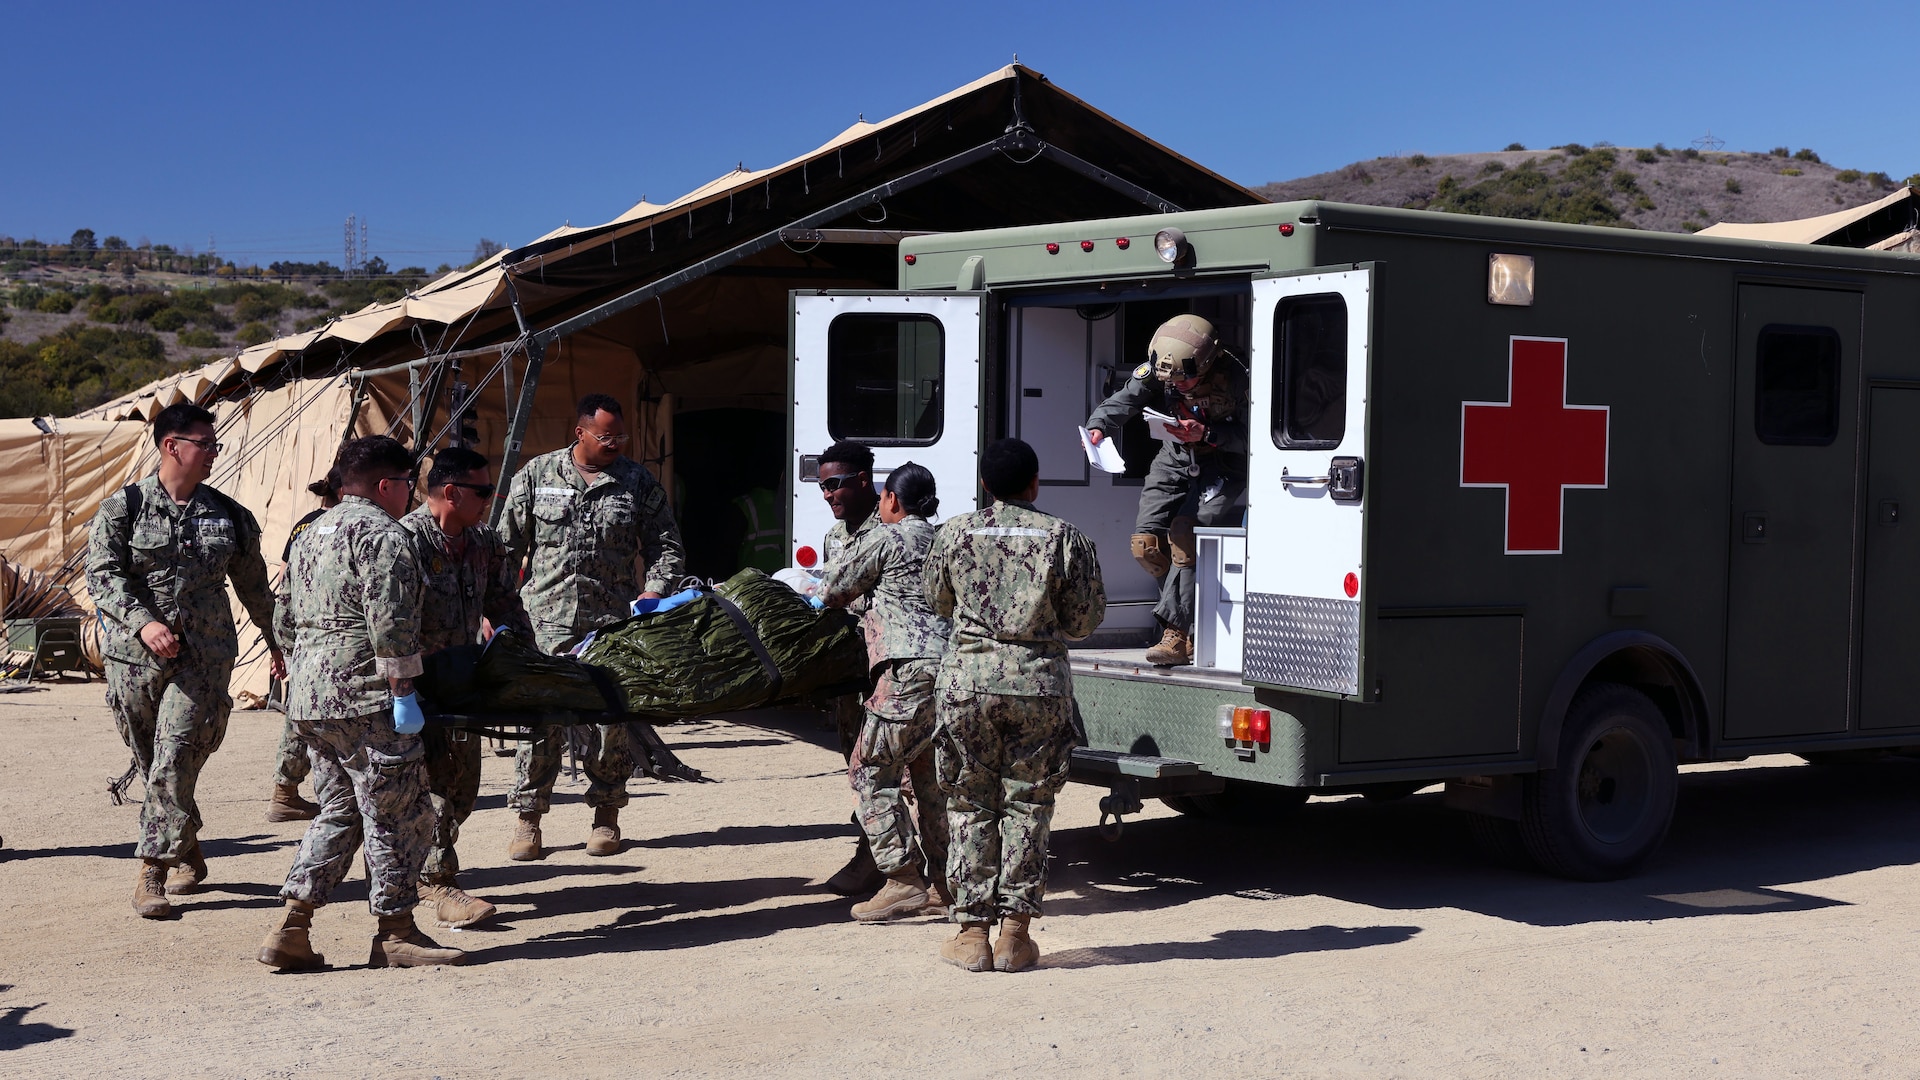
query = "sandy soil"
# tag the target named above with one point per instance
(1775, 935)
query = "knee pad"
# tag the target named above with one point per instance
(1150, 551)
(1186, 550)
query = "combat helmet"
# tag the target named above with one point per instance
(1182, 348)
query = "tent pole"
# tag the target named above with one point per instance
(522, 412)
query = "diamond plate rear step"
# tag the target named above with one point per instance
(1154, 776)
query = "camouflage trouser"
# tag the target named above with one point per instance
(849, 715)
(292, 766)
(371, 784)
(1172, 492)
(896, 742)
(173, 717)
(453, 778)
(609, 761)
(1001, 759)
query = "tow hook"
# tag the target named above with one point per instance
(1122, 798)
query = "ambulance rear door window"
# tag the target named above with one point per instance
(1310, 373)
(884, 379)
(1796, 399)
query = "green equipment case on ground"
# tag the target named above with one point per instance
(1538, 511)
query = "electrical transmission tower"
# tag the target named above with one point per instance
(352, 246)
(1709, 142)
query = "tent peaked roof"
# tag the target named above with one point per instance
(1006, 149)
(1861, 226)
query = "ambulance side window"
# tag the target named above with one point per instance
(1310, 373)
(884, 379)
(1796, 400)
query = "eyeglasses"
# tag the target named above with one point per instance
(485, 491)
(609, 441)
(211, 446)
(831, 484)
(403, 479)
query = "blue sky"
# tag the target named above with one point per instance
(264, 125)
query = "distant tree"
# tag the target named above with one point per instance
(1805, 154)
(113, 243)
(375, 267)
(83, 241)
(487, 249)
(254, 333)
(1516, 146)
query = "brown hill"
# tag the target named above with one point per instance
(1643, 188)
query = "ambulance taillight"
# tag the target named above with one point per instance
(1243, 724)
(1260, 726)
(1224, 716)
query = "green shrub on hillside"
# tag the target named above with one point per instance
(77, 368)
(168, 319)
(1789, 172)
(1645, 157)
(58, 302)
(1848, 176)
(1513, 146)
(1733, 185)
(1578, 194)
(199, 339)
(1419, 161)
(1804, 154)
(28, 297)
(254, 333)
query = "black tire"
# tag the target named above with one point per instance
(1241, 799)
(1609, 803)
(1499, 840)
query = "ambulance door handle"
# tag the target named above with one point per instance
(1289, 480)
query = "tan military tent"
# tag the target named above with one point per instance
(678, 309)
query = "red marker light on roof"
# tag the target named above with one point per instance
(1351, 585)
(1086, 245)
(1122, 243)
(910, 260)
(1053, 248)
(1286, 228)
(806, 556)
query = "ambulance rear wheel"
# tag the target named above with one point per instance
(1608, 804)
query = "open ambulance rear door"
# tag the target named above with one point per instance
(1306, 493)
(898, 372)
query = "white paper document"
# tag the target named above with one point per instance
(1103, 455)
(1158, 422)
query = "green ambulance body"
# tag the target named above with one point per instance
(1535, 510)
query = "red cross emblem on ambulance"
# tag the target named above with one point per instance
(1534, 445)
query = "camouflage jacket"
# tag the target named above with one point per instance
(457, 591)
(836, 542)
(1218, 400)
(887, 564)
(580, 541)
(1018, 585)
(350, 611)
(170, 564)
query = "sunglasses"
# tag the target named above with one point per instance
(831, 484)
(485, 491)
(610, 441)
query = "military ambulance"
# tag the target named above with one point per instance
(1537, 511)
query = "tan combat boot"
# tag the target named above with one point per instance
(969, 948)
(287, 805)
(1015, 950)
(1175, 648)
(453, 908)
(605, 837)
(190, 873)
(939, 897)
(859, 875)
(288, 946)
(525, 845)
(150, 890)
(401, 944)
(903, 894)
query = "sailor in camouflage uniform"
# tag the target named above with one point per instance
(846, 483)
(905, 640)
(350, 607)
(1197, 479)
(1018, 584)
(465, 581)
(159, 555)
(290, 757)
(579, 518)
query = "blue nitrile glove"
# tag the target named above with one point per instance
(407, 717)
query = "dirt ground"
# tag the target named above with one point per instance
(1775, 935)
